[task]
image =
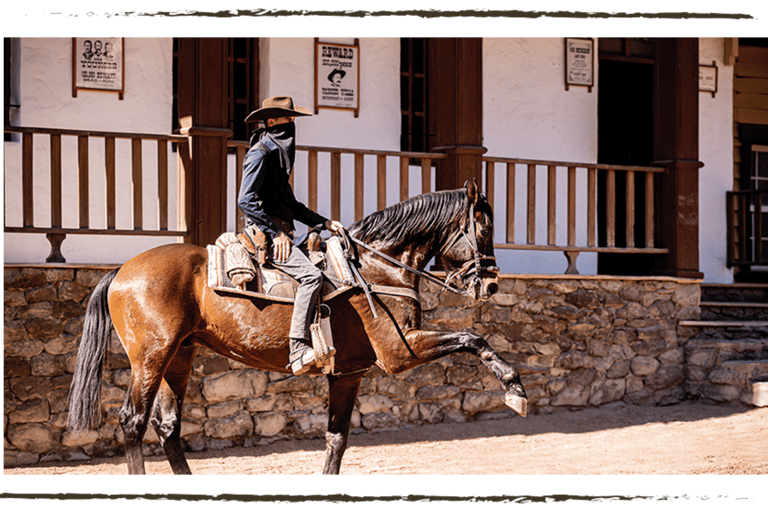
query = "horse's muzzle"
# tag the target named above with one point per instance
(486, 287)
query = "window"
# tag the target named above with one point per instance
(414, 130)
(11, 85)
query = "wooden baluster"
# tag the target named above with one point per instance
(758, 216)
(610, 214)
(83, 197)
(591, 207)
(336, 185)
(111, 187)
(571, 206)
(312, 180)
(138, 200)
(404, 177)
(551, 204)
(426, 175)
(27, 180)
(630, 209)
(649, 211)
(56, 201)
(510, 203)
(381, 182)
(162, 184)
(531, 238)
(490, 182)
(184, 187)
(359, 185)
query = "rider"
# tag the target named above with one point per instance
(267, 200)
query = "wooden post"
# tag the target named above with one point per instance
(202, 75)
(676, 147)
(455, 93)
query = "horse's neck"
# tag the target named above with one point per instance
(415, 256)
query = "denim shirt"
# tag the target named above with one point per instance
(265, 191)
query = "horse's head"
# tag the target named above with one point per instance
(468, 253)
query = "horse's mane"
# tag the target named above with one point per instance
(424, 217)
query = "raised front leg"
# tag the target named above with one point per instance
(426, 346)
(341, 401)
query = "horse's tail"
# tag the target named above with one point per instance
(84, 393)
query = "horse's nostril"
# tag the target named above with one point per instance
(492, 288)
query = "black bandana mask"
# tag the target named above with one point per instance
(284, 137)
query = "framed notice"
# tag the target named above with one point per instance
(98, 64)
(579, 62)
(337, 76)
(708, 78)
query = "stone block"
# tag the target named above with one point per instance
(48, 365)
(430, 413)
(666, 376)
(704, 358)
(235, 384)
(608, 391)
(380, 420)
(437, 393)
(238, 425)
(70, 290)
(618, 369)
(576, 397)
(573, 360)
(643, 397)
(374, 403)
(261, 403)
(80, 438)
(44, 294)
(26, 388)
(486, 401)
(269, 424)
(23, 348)
(224, 409)
(425, 375)
(644, 365)
(456, 374)
(34, 437)
(12, 458)
(44, 328)
(581, 378)
(727, 376)
(584, 299)
(31, 411)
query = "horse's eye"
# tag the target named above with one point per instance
(485, 232)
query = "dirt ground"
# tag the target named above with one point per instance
(691, 438)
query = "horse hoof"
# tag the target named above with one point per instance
(516, 403)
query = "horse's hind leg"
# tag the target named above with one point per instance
(341, 401)
(148, 366)
(166, 413)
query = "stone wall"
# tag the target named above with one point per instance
(578, 342)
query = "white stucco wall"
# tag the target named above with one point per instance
(716, 152)
(528, 114)
(45, 93)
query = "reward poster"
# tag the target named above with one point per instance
(337, 76)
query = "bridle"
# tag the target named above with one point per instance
(470, 270)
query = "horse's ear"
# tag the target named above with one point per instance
(472, 192)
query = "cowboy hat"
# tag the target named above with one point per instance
(277, 106)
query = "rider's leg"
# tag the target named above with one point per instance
(298, 266)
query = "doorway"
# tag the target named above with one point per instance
(625, 137)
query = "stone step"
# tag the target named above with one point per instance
(733, 304)
(709, 352)
(738, 292)
(724, 323)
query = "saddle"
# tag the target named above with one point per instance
(237, 263)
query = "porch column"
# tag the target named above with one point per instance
(676, 147)
(456, 109)
(202, 75)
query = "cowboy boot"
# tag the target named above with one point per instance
(301, 356)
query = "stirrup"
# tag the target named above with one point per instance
(301, 358)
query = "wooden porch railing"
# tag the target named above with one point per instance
(576, 173)
(53, 227)
(747, 238)
(404, 160)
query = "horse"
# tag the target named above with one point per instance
(162, 309)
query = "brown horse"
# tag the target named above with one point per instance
(162, 309)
